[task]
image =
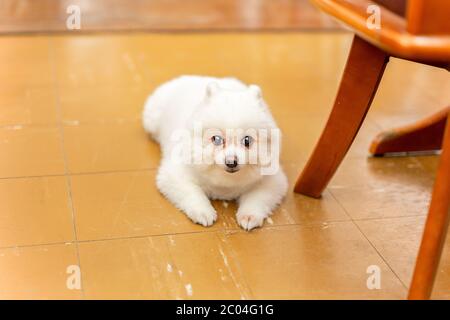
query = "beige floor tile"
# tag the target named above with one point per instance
(375, 171)
(300, 135)
(308, 262)
(109, 147)
(25, 104)
(424, 91)
(100, 104)
(304, 210)
(25, 48)
(38, 272)
(300, 99)
(127, 204)
(292, 262)
(44, 216)
(295, 208)
(430, 164)
(138, 59)
(264, 59)
(398, 242)
(30, 151)
(205, 268)
(28, 61)
(382, 187)
(89, 60)
(285, 262)
(189, 266)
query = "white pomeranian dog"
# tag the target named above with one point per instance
(218, 141)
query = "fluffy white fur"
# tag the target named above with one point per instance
(219, 105)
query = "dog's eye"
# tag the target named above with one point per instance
(217, 140)
(247, 141)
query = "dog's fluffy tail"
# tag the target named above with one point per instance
(151, 116)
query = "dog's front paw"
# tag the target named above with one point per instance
(204, 216)
(250, 221)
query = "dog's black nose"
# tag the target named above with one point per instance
(231, 163)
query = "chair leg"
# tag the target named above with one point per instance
(435, 231)
(424, 135)
(362, 75)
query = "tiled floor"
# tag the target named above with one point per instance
(18, 16)
(77, 174)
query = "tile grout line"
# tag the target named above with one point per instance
(370, 242)
(58, 110)
(391, 218)
(81, 173)
(231, 230)
(68, 123)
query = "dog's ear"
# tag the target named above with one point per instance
(211, 89)
(255, 91)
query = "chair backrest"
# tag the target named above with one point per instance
(424, 17)
(427, 17)
(417, 30)
(397, 6)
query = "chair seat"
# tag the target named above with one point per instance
(393, 36)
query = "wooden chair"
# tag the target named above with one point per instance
(416, 30)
